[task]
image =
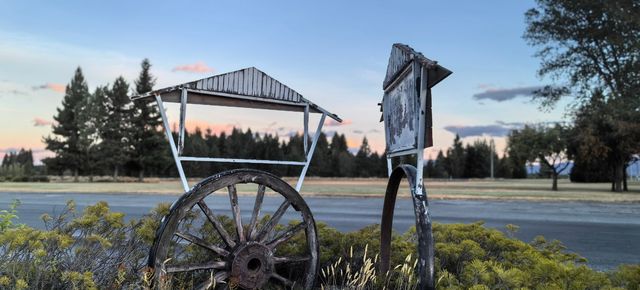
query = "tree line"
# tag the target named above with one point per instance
(104, 133)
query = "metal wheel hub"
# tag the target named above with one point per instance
(252, 265)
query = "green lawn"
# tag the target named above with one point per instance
(530, 189)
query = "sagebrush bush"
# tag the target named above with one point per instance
(97, 249)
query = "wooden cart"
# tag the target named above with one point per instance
(195, 245)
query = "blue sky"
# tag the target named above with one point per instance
(332, 52)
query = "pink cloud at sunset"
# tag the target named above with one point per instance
(60, 88)
(40, 122)
(334, 123)
(198, 67)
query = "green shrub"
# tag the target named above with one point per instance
(97, 249)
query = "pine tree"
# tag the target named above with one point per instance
(321, 160)
(341, 158)
(92, 119)
(363, 166)
(66, 142)
(149, 152)
(115, 133)
(456, 158)
(439, 166)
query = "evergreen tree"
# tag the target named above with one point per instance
(503, 168)
(456, 159)
(428, 168)
(341, 159)
(321, 162)
(439, 166)
(92, 119)
(66, 143)
(212, 141)
(149, 150)
(115, 134)
(363, 162)
(477, 160)
(195, 145)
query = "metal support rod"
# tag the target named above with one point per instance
(172, 145)
(310, 154)
(183, 116)
(239, 160)
(306, 129)
(424, 90)
(493, 148)
(389, 166)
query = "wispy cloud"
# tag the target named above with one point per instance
(198, 67)
(60, 88)
(334, 123)
(40, 122)
(501, 95)
(14, 92)
(500, 129)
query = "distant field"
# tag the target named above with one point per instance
(529, 189)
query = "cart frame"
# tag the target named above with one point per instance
(248, 258)
(291, 101)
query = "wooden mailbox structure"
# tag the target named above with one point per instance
(247, 258)
(406, 113)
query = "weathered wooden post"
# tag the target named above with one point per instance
(406, 112)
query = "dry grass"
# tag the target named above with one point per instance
(528, 189)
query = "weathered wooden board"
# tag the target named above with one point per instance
(402, 55)
(247, 82)
(401, 105)
(404, 88)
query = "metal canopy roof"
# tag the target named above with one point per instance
(246, 88)
(402, 55)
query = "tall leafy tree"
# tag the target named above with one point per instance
(606, 131)
(66, 142)
(546, 145)
(593, 48)
(149, 151)
(115, 146)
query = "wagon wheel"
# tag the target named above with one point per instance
(222, 252)
(423, 226)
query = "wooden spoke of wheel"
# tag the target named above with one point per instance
(202, 243)
(235, 209)
(226, 238)
(215, 271)
(286, 235)
(219, 265)
(256, 212)
(284, 280)
(218, 277)
(268, 227)
(288, 260)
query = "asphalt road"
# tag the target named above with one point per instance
(606, 234)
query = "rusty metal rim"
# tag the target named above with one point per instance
(426, 263)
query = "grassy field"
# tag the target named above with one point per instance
(528, 189)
